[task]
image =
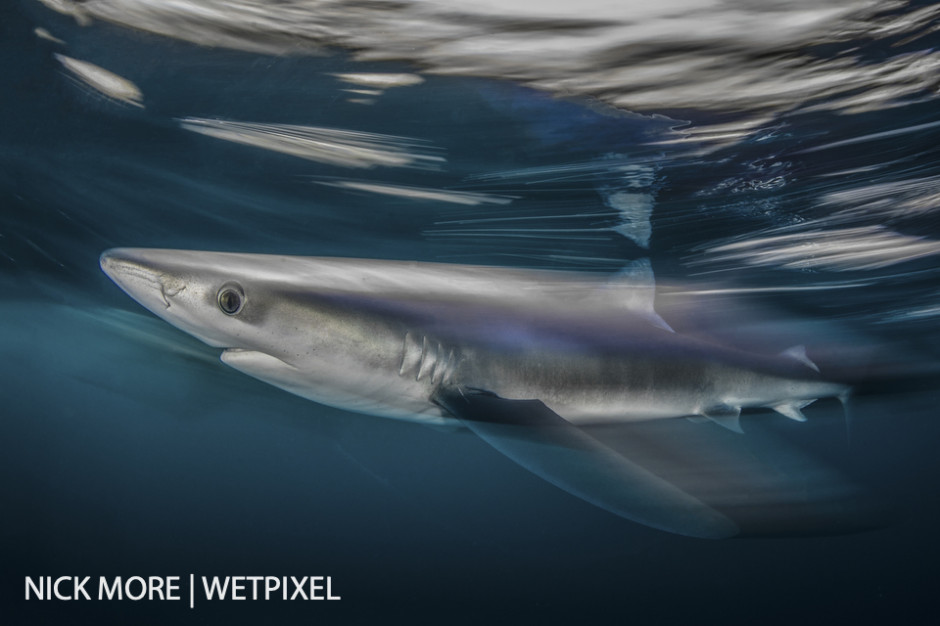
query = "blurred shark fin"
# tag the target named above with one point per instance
(637, 283)
(792, 409)
(546, 444)
(798, 353)
(725, 416)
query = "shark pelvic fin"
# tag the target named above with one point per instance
(725, 416)
(792, 409)
(798, 353)
(637, 283)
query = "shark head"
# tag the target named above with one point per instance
(214, 297)
(280, 319)
(247, 304)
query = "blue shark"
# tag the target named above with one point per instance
(529, 360)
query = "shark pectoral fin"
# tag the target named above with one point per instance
(792, 409)
(726, 416)
(541, 441)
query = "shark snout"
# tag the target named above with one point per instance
(121, 266)
(168, 283)
(140, 277)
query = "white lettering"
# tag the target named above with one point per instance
(80, 588)
(314, 587)
(37, 591)
(299, 588)
(55, 588)
(216, 588)
(172, 587)
(136, 588)
(329, 589)
(271, 584)
(109, 592)
(156, 587)
(129, 593)
(238, 586)
(254, 585)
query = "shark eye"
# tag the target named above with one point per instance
(231, 298)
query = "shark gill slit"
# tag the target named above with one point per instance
(418, 357)
(442, 373)
(410, 355)
(425, 359)
(429, 356)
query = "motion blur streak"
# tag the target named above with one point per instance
(103, 81)
(325, 145)
(862, 248)
(915, 197)
(465, 198)
(381, 81)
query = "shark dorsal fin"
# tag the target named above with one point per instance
(636, 286)
(798, 353)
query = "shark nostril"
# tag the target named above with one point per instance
(168, 292)
(105, 262)
(126, 270)
(112, 264)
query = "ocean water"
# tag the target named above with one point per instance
(776, 163)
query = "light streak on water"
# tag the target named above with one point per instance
(333, 146)
(103, 81)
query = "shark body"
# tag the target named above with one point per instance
(526, 359)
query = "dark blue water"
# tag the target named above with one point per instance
(128, 449)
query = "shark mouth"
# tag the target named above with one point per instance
(237, 357)
(262, 366)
